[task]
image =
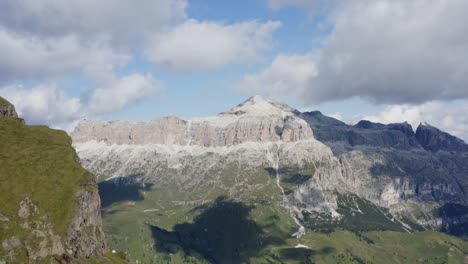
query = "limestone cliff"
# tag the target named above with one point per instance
(256, 120)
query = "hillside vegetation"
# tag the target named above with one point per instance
(40, 182)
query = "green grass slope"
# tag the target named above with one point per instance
(39, 169)
(384, 247)
(39, 163)
(247, 224)
(3, 102)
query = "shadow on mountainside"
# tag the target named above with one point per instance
(452, 213)
(222, 233)
(302, 255)
(291, 177)
(121, 189)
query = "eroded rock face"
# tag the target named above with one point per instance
(85, 236)
(84, 239)
(397, 169)
(256, 120)
(7, 109)
(364, 133)
(433, 139)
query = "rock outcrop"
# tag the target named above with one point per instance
(85, 236)
(7, 109)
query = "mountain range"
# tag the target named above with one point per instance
(266, 183)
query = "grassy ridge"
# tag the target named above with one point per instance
(3, 102)
(38, 163)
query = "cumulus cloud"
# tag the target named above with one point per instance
(201, 46)
(46, 104)
(43, 104)
(285, 73)
(449, 117)
(388, 51)
(51, 38)
(48, 39)
(38, 58)
(121, 22)
(122, 92)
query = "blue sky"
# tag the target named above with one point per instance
(208, 93)
(386, 61)
(185, 93)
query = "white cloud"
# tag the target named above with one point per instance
(200, 46)
(46, 104)
(122, 92)
(448, 117)
(38, 58)
(46, 41)
(124, 23)
(43, 104)
(389, 51)
(51, 38)
(285, 74)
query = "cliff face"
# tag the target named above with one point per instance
(434, 140)
(400, 170)
(50, 208)
(256, 120)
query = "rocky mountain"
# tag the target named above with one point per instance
(50, 209)
(256, 120)
(434, 140)
(262, 182)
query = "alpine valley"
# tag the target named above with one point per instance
(266, 183)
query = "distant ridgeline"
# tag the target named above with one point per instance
(265, 183)
(50, 207)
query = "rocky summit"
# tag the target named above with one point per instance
(265, 183)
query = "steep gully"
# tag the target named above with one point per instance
(276, 166)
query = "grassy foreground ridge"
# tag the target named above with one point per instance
(40, 178)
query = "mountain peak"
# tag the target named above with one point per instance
(256, 99)
(433, 139)
(259, 106)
